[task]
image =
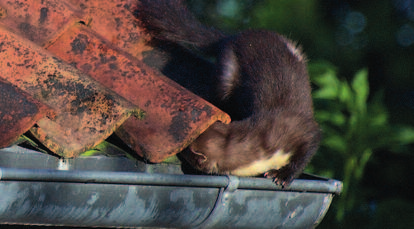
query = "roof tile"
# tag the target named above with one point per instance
(18, 113)
(86, 112)
(86, 42)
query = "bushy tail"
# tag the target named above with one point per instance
(170, 20)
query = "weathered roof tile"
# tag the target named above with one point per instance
(18, 113)
(86, 112)
(38, 21)
(115, 22)
(104, 42)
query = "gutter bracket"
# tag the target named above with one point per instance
(221, 205)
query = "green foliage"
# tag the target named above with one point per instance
(354, 126)
(108, 149)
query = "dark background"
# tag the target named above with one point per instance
(350, 35)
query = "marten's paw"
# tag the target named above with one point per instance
(283, 176)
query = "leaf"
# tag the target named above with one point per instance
(324, 76)
(172, 160)
(378, 119)
(328, 87)
(336, 118)
(91, 152)
(346, 95)
(405, 135)
(363, 160)
(319, 68)
(335, 142)
(105, 148)
(360, 86)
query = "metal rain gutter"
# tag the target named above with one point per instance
(134, 178)
(39, 189)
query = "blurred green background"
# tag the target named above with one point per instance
(361, 63)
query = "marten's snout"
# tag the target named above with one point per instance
(199, 161)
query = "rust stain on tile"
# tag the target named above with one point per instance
(175, 116)
(86, 112)
(18, 113)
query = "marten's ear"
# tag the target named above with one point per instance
(229, 71)
(295, 49)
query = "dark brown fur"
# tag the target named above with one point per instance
(262, 82)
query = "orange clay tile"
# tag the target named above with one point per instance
(18, 113)
(38, 20)
(174, 116)
(86, 112)
(115, 22)
(43, 21)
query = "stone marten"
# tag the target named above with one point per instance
(262, 83)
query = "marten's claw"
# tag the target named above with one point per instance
(279, 178)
